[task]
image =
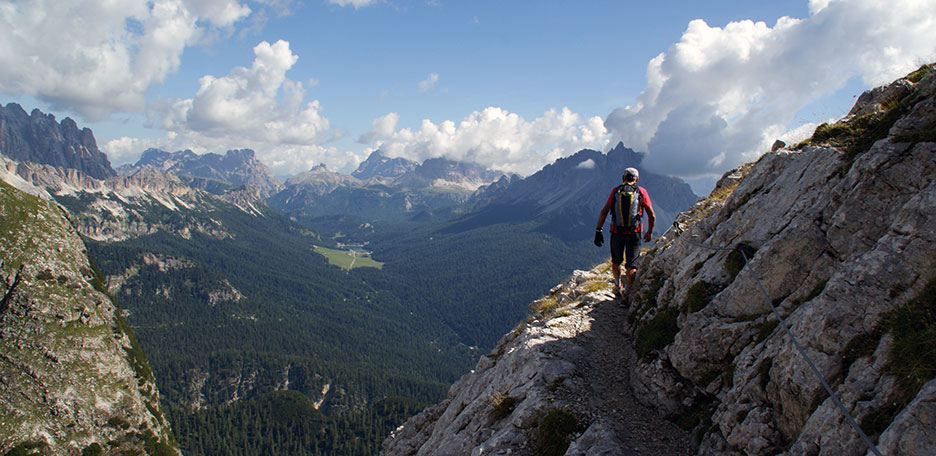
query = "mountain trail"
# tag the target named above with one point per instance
(638, 430)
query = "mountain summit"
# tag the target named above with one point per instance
(567, 195)
(212, 172)
(38, 138)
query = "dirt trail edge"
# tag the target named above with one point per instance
(629, 427)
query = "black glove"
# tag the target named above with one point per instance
(599, 238)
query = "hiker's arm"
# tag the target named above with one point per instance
(651, 221)
(603, 216)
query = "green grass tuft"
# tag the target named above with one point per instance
(734, 262)
(646, 298)
(698, 296)
(553, 431)
(503, 406)
(913, 354)
(921, 72)
(657, 333)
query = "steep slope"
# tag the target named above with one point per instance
(73, 376)
(840, 238)
(38, 138)
(125, 207)
(839, 233)
(558, 379)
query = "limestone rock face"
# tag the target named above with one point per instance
(214, 173)
(839, 239)
(38, 138)
(128, 206)
(569, 358)
(73, 376)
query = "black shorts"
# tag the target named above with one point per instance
(622, 244)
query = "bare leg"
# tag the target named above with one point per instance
(630, 273)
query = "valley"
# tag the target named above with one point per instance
(348, 257)
(240, 287)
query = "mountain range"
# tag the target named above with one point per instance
(774, 318)
(215, 263)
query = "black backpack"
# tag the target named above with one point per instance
(625, 208)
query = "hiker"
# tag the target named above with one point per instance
(626, 204)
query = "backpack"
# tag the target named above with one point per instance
(626, 208)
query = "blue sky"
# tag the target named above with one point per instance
(700, 86)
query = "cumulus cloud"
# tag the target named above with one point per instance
(53, 54)
(383, 127)
(257, 107)
(586, 164)
(426, 84)
(722, 95)
(256, 103)
(493, 137)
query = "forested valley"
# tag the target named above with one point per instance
(261, 347)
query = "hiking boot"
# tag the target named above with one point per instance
(627, 291)
(616, 289)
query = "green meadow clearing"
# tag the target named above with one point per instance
(345, 260)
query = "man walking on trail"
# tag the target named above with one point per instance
(626, 205)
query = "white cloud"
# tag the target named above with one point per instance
(586, 164)
(256, 107)
(248, 104)
(426, 84)
(383, 127)
(96, 58)
(494, 138)
(355, 3)
(721, 96)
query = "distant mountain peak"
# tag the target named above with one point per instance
(38, 138)
(379, 165)
(212, 172)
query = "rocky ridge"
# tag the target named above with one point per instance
(73, 377)
(128, 206)
(38, 138)
(839, 278)
(566, 360)
(217, 174)
(839, 234)
(562, 195)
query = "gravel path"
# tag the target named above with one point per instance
(638, 430)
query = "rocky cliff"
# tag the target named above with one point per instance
(38, 138)
(128, 206)
(839, 236)
(215, 173)
(72, 378)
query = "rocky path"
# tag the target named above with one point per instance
(576, 358)
(635, 428)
